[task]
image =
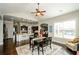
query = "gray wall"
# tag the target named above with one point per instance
(1, 32)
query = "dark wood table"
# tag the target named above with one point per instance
(41, 43)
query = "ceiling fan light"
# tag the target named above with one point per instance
(38, 14)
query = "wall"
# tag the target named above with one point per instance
(65, 17)
(77, 26)
(1, 32)
(9, 26)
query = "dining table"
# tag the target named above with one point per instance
(39, 40)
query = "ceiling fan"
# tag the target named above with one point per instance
(39, 12)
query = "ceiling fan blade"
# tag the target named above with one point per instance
(43, 11)
(33, 12)
(37, 10)
(42, 14)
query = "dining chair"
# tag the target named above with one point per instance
(41, 44)
(38, 44)
(45, 43)
(30, 41)
(35, 45)
(49, 41)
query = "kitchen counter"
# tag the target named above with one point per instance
(23, 36)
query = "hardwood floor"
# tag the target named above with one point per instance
(1, 49)
(9, 47)
(10, 51)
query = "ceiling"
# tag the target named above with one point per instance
(24, 10)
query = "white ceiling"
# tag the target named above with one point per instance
(24, 9)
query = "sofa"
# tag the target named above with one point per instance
(73, 44)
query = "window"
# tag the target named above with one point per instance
(50, 29)
(65, 29)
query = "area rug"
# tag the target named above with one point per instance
(56, 50)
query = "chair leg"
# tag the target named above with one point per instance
(38, 50)
(42, 50)
(50, 45)
(29, 46)
(32, 48)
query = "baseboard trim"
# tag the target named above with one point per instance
(57, 43)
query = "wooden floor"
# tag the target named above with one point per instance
(11, 49)
(1, 49)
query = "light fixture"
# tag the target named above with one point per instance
(39, 12)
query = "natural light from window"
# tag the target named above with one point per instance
(65, 29)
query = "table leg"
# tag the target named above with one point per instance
(38, 50)
(42, 50)
(50, 44)
(30, 44)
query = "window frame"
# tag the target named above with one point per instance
(63, 35)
